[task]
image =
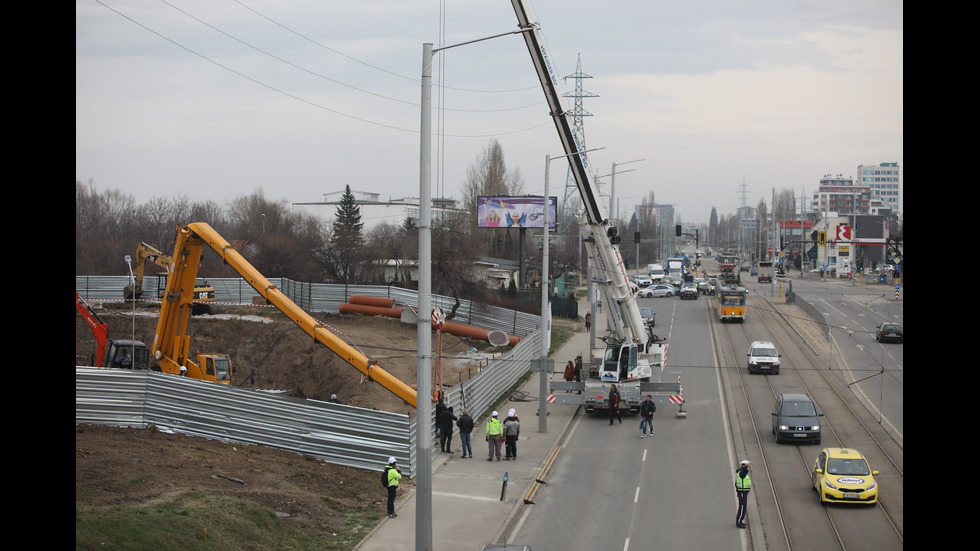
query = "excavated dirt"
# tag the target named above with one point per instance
(109, 461)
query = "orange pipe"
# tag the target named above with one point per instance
(372, 301)
(464, 330)
(346, 308)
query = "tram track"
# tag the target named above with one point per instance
(844, 425)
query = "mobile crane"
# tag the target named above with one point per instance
(171, 343)
(631, 349)
(110, 352)
(203, 294)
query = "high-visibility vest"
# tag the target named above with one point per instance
(743, 484)
(494, 427)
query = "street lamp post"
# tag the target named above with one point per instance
(132, 278)
(423, 444)
(545, 305)
(612, 188)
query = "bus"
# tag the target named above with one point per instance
(764, 271)
(731, 302)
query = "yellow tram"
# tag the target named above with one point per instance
(731, 302)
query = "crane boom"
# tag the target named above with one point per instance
(631, 347)
(171, 342)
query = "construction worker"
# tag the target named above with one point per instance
(495, 436)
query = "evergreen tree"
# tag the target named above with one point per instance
(346, 240)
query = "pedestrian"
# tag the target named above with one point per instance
(440, 407)
(569, 373)
(614, 400)
(495, 433)
(512, 431)
(394, 475)
(743, 484)
(334, 399)
(647, 409)
(588, 321)
(578, 370)
(446, 420)
(465, 424)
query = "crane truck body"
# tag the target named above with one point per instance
(171, 343)
(632, 350)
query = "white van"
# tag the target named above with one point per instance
(656, 272)
(763, 357)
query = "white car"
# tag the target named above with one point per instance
(656, 290)
(643, 281)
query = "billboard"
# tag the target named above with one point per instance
(515, 212)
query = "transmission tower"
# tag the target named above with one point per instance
(578, 113)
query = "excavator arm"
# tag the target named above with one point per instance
(144, 253)
(100, 330)
(171, 344)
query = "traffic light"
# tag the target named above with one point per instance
(636, 237)
(677, 230)
(822, 238)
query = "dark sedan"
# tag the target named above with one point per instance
(796, 417)
(889, 332)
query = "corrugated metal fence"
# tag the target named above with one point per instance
(327, 297)
(335, 433)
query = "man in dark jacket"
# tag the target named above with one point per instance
(446, 420)
(465, 425)
(647, 409)
(614, 399)
(440, 407)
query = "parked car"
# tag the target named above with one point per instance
(795, 417)
(656, 290)
(649, 316)
(763, 357)
(889, 332)
(689, 290)
(843, 475)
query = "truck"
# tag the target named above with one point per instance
(118, 353)
(656, 272)
(631, 349)
(171, 343)
(203, 294)
(764, 271)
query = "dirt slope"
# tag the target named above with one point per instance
(109, 460)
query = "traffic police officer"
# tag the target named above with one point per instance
(495, 432)
(743, 484)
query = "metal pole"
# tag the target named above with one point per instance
(545, 307)
(423, 440)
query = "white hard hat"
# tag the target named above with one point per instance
(744, 462)
(512, 412)
(494, 414)
(183, 368)
(391, 460)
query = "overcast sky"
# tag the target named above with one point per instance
(214, 99)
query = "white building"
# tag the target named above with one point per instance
(885, 184)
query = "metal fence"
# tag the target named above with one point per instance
(327, 297)
(335, 433)
(815, 314)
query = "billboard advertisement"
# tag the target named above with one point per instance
(515, 212)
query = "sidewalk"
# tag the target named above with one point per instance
(467, 509)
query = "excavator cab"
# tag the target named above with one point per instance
(122, 353)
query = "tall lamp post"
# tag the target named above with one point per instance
(132, 281)
(423, 441)
(545, 305)
(612, 188)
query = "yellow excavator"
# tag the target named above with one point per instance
(203, 294)
(171, 343)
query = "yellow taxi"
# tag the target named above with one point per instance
(842, 475)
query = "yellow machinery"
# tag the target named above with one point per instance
(171, 344)
(203, 294)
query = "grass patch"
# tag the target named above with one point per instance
(200, 521)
